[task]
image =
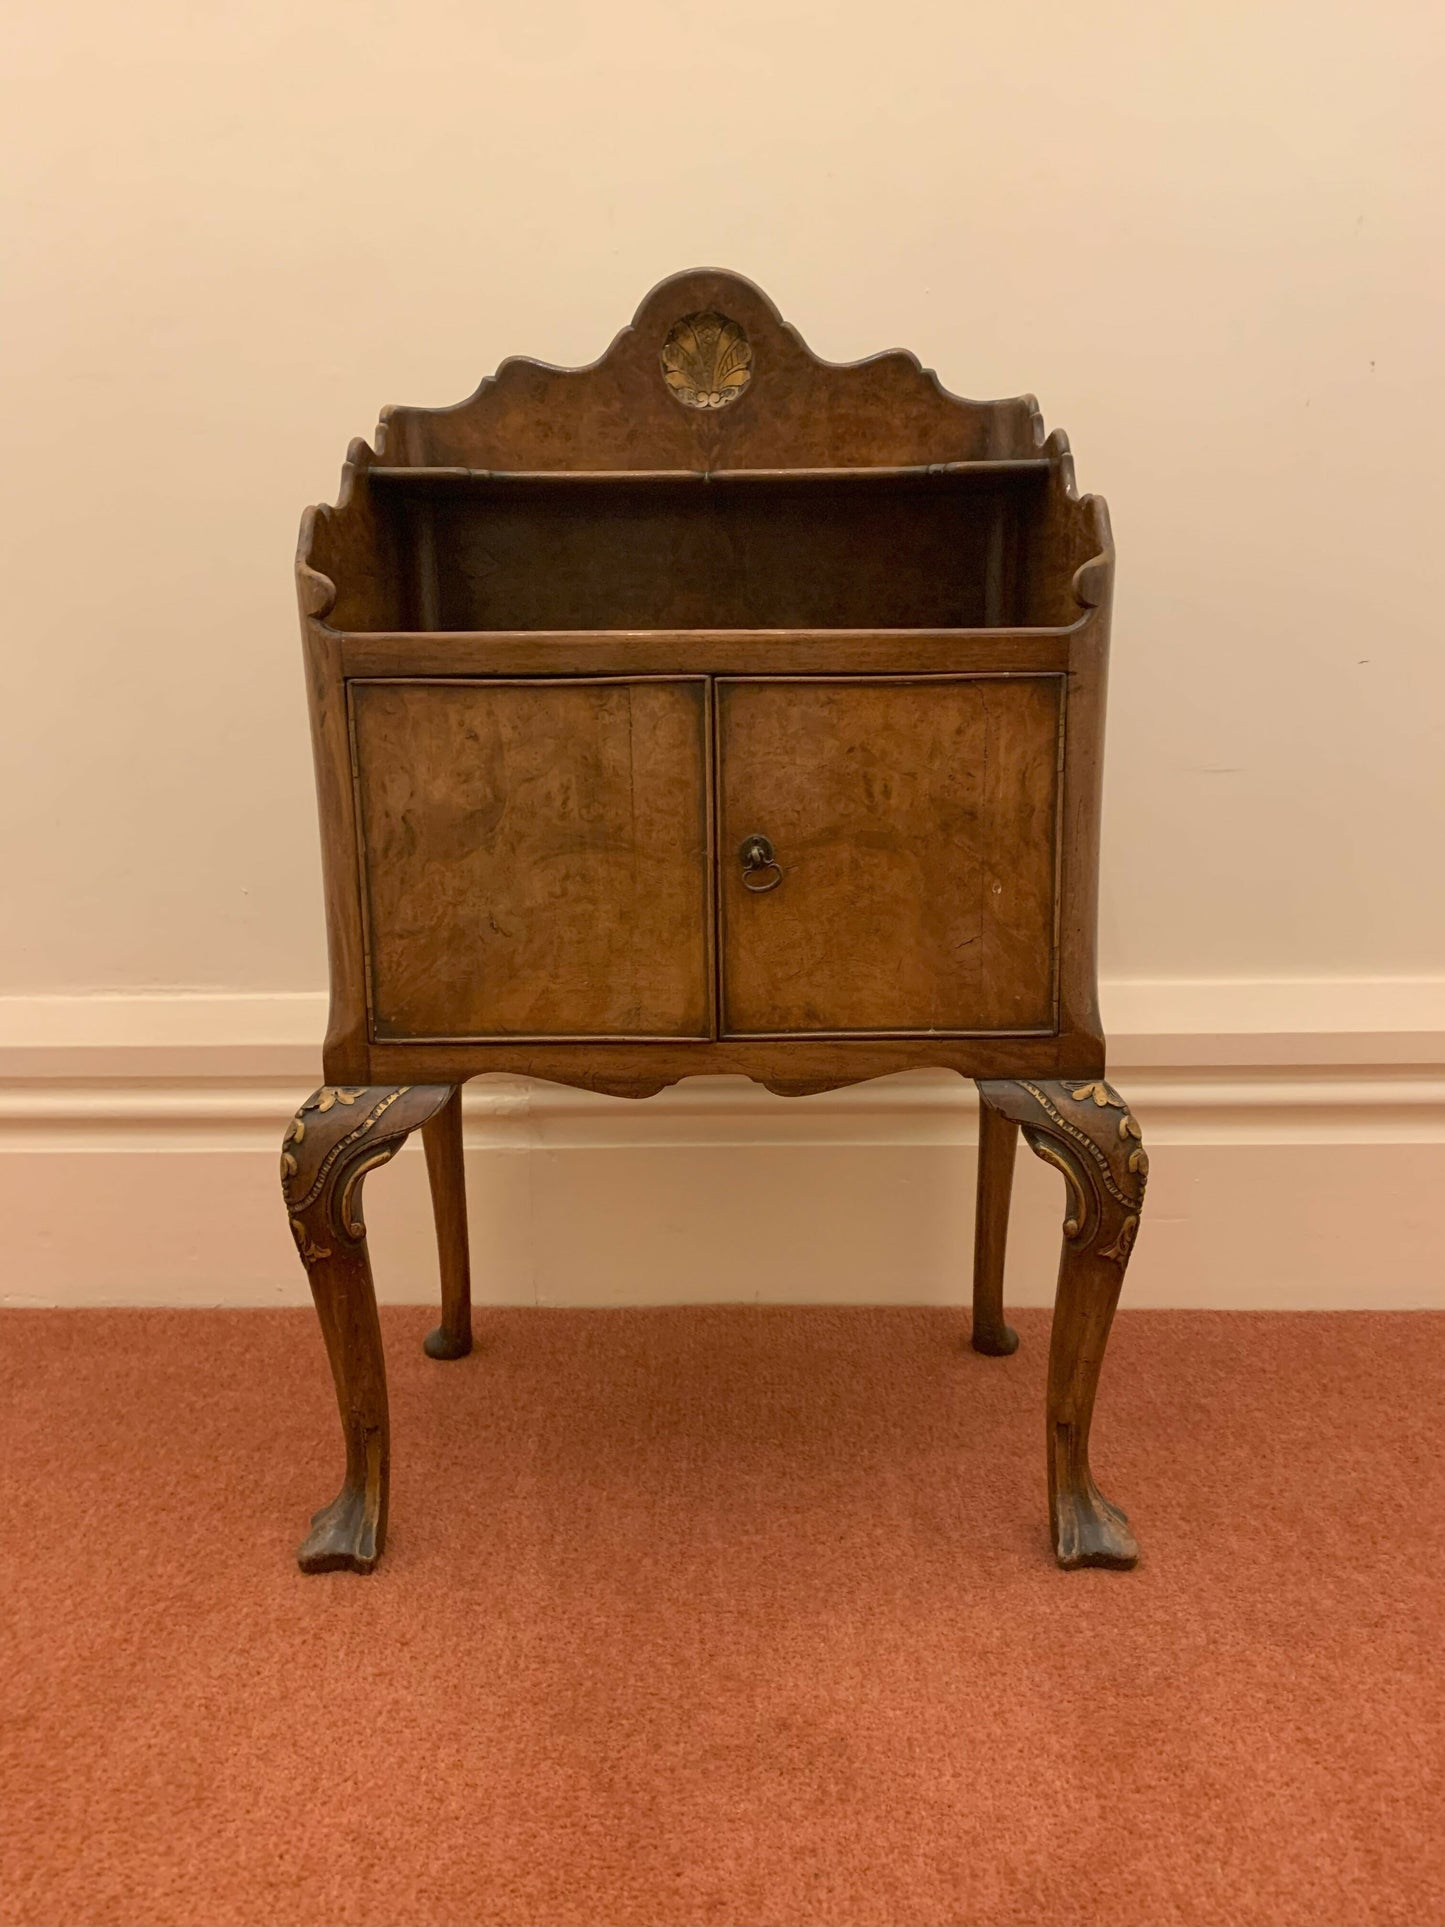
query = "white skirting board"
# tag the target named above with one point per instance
(1296, 1132)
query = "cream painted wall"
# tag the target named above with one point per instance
(1208, 235)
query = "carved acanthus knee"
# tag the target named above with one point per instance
(1087, 1132)
(339, 1134)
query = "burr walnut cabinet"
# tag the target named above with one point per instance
(712, 708)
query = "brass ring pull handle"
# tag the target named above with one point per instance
(755, 853)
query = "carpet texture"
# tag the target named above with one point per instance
(722, 1616)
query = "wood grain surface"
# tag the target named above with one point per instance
(915, 823)
(536, 857)
(915, 550)
(798, 412)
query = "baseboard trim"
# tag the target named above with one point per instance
(1293, 1168)
(1377, 1104)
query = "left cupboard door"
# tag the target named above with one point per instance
(536, 857)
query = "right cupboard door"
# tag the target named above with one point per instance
(913, 826)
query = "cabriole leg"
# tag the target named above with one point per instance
(1085, 1130)
(998, 1138)
(442, 1137)
(340, 1134)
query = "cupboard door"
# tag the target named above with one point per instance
(535, 857)
(914, 824)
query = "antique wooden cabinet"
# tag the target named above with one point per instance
(710, 709)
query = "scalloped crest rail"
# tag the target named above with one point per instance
(712, 708)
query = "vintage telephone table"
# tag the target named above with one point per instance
(710, 709)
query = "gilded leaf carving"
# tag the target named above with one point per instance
(328, 1095)
(311, 1252)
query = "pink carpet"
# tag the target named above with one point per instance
(722, 1616)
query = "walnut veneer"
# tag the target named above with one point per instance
(710, 709)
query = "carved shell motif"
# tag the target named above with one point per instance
(707, 360)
